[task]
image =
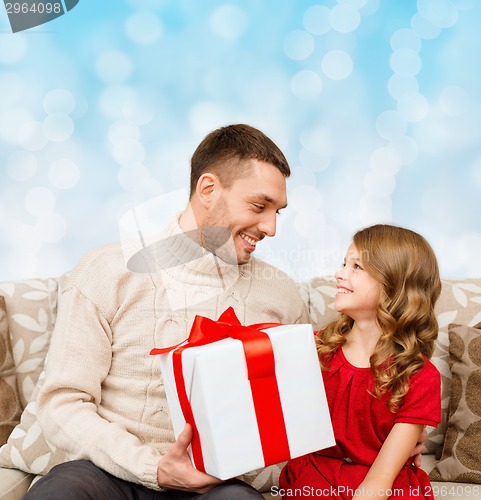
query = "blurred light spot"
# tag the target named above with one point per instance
(305, 199)
(39, 201)
(306, 85)
(21, 165)
(58, 127)
(51, 227)
(406, 39)
(467, 249)
(433, 137)
(228, 22)
(379, 181)
(445, 212)
(59, 101)
(358, 4)
(337, 65)
(114, 66)
(464, 4)
(390, 125)
(31, 136)
(301, 176)
(454, 101)
(13, 48)
(405, 62)
(130, 177)
(139, 112)
(424, 28)
(317, 139)
(64, 173)
(12, 87)
(114, 98)
(476, 173)
(11, 123)
(81, 107)
(147, 188)
(128, 153)
(406, 149)
(123, 130)
(23, 237)
(370, 7)
(316, 20)
(401, 84)
(375, 208)
(413, 106)
(307, 223)
(313, 161)
(144, 28)
(440, 13)
(344, 18)
(298, 45)
(146, 4)
(206, 116)
(386, 160)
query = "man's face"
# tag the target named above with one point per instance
(249, 209)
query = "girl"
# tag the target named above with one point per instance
(380, 385)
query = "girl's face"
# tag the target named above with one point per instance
(357, 291)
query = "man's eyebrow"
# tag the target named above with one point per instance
(268, 199)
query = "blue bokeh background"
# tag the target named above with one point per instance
(376, 104)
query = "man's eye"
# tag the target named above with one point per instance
(259, 207)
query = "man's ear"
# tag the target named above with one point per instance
(207, 188)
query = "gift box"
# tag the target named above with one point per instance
(254, 394)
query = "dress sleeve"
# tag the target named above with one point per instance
(422, 403)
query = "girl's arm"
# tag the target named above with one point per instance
(393, 455)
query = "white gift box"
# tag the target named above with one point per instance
(217, 386)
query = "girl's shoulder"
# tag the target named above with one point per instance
(428, 371)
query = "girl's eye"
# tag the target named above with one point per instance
(357, 266)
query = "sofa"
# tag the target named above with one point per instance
(452, 452)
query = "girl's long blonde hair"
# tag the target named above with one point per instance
(405, 265)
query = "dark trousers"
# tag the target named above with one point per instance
(82, 480)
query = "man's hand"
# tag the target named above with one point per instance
(416, 453)
(175, 470)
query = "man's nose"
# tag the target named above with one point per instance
(268, 224)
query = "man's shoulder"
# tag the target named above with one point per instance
(101, 265)
(109, 256)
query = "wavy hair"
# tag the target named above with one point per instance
(405, 265)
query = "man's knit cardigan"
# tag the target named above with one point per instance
(103, 397)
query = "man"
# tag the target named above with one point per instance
(103, 400)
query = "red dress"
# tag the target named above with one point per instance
(361, 424)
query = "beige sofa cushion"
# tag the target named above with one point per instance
(10, 408)
(460, 302)
(32, 309)
(26, 448)
(461, 457)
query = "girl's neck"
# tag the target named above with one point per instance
(361, 342)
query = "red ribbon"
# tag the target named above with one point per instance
(261, 373)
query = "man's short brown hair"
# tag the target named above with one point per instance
(225, 152)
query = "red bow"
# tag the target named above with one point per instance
(261, 373)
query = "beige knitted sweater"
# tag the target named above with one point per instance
(103, 397)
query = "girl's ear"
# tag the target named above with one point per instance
(207, 189)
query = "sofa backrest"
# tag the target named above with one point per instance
(32, 308)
